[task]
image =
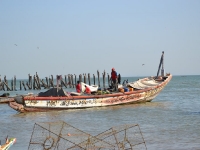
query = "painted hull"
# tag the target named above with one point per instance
(6, 99)
(34, 103)
(8, 144)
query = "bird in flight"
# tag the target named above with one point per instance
(15, 44)
(142, 64)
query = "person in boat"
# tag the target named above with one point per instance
(114, 79)
(87, 90)
(78, 87)
(119, 79)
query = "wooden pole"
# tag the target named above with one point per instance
(98, 78)
(104, 79)
(30, 81)
(20, 85)
(6, 84)
(12, 84)
(43, 84)
(8, 89)
(15, 83)
(3, 86)
(94, 78)
(5, 79)
(52, 81)
(89, 78)
(66, 81)
(80, 77)
(69, 81)
(29, 78)
(47, 81)
(74, 80)
(63, 83)
(34, 82)
(84, 75)
(36, 86)
(28, 85)
(108, 80)
(38, 81)
(24, 85)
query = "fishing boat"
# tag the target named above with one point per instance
(142, 90)
(8, 144)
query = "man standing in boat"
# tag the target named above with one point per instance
(114, 79)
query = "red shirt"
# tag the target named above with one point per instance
(87, 90)
(78, 88)
(114, 75)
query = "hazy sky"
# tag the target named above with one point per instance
(83, 36)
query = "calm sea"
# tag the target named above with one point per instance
(170, 122)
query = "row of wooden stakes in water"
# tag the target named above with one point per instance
(69, 81)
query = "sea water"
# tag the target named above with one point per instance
(170, 122)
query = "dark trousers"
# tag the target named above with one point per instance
(114, 84)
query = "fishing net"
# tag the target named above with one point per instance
(61, 136)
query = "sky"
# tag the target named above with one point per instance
(82, 36)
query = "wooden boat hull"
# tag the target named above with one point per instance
(34, 103)
(8, 144)
(6, 99)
